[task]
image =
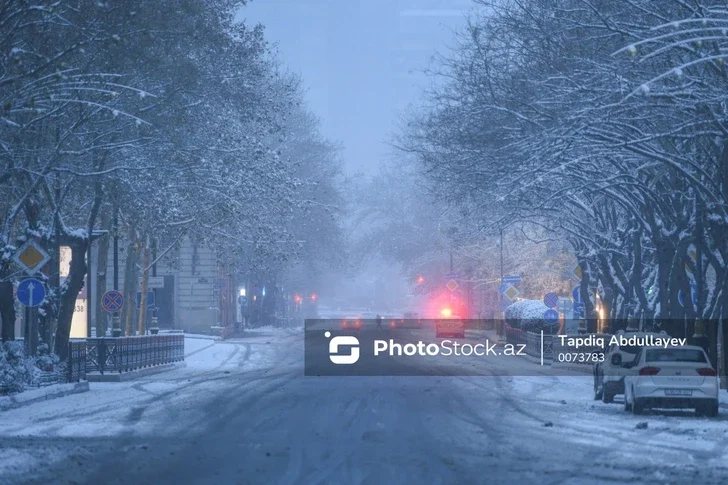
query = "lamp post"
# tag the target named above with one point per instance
(500, 296)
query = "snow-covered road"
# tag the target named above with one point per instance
(242, 412)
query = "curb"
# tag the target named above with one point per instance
(127, 376)
(42, 394)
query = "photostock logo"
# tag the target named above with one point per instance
(343, 341)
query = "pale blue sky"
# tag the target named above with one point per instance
(360, 61)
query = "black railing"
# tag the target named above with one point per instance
(124, 354)
(76, 361)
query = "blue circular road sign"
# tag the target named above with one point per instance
(112, 301)
(551, 300)
(31, 292)
(551, 316)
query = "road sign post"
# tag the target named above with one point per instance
(551, 300)
(551, 316)
(31, 257)
(31, 293)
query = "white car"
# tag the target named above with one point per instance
(673, 377)
(609, 376)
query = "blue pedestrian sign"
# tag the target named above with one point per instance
(693, 294)
(551, 316)
(503, 287)
(113, 301)
(150, 300)
(576, 294)
(511, 279)
(551, 300)
(31, 292)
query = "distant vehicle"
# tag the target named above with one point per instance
(673, 377)
(351, 323)
(608, 377)
(449, 325)
(414, 316)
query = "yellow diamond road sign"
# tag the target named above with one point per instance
(31, 257)
(511, 292)
(577, 271)
(452, 285)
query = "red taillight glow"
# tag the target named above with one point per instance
(707, 372)
(357, 324)
(391, 324)
(649, 371)
(344, 324)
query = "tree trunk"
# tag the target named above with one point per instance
(67, 299)
(130, 282)
(7, 311)
(145, 281)
(101, 271)
(591, 324)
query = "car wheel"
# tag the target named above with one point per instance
(710, 409)
(637, 406)
(598, 391)
(607, 393)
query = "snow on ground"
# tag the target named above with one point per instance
(569, 402)
(193, 345)
(113, 409)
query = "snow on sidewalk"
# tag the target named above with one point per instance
(35, 435)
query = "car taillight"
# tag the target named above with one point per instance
(707, 372)
(343, 324)
(649, 371)
(357, 323)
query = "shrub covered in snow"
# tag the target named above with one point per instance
(527, 315)
(45, 360)
(16, 370)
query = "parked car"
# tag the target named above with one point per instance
(673, 377)
(608, 376)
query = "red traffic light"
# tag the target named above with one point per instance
(314, 296)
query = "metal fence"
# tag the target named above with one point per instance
(124, 354)
(76, 365)
(515, 336)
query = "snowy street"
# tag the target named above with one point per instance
(242, 412)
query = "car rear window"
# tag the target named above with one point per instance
(675, 355)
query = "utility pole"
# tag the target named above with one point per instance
(116, 319)
(155, 322)
(501, 254)
(500, 297)
(89, 299)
